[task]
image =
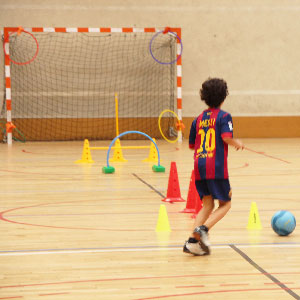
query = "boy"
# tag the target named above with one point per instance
(211, 133)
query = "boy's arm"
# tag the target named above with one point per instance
(234, 142)
(192, 136)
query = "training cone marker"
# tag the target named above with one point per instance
(86, 154)
(192, 196)
(153, 156)
(163, 220)
(173, 193)
(118, 155)
(254, 220)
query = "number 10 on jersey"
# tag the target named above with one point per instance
(210, 140)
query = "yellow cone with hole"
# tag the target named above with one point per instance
(254, 219)
(153, 156)
(118, 154)
(163, 220)
(86, 157)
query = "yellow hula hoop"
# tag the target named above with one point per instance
(159, 118)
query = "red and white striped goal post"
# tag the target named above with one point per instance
(32, 30)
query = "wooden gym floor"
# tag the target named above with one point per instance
(68, 231)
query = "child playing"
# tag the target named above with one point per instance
(211, 133)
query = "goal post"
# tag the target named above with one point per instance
(60, 83)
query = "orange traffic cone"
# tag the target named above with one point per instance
(173, 193)
(192, 196)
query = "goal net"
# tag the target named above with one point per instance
(67, 92)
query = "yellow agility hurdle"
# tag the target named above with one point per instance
(123, 147)
(117, 155)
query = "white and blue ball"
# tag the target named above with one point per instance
(283, 222)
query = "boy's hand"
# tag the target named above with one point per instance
(238, 144)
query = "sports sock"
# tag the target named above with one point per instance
(203, 227)
(192, 240)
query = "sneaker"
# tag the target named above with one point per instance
(202, 236)
(185, 249)
(193, 248)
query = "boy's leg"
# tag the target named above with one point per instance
(199, 245)
(218, 214)
(205, 212)
(219, 189)
(200, 232)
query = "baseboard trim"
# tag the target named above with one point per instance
(260, 127)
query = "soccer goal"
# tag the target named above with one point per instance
(61, 82)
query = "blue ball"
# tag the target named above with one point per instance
(283, 222)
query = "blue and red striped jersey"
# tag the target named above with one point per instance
(205, 137)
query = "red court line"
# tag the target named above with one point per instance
(264, 175)
(144, 278)
(244, 166)
(188, 286)
(2, 218)
(53, 294)
(233, 284)
(264, 154)
(45, 174)
(146, 288)
(211, 292)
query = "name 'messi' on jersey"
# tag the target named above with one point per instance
(207, 123)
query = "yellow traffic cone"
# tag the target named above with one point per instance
(254, 220)
(153, 156)
(118, 155)
(86, 154)
(163, 221)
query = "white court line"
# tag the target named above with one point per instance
(149, 249)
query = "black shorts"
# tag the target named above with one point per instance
(218, 188)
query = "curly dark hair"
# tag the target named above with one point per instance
(214, 91)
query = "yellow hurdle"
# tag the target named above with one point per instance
(123, 147)
(118, 155)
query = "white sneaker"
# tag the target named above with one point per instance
(193, 248)
(202, 236)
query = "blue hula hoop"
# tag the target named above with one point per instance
(161, 62)
(127, 132)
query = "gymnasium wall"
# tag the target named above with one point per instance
(254, 45)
